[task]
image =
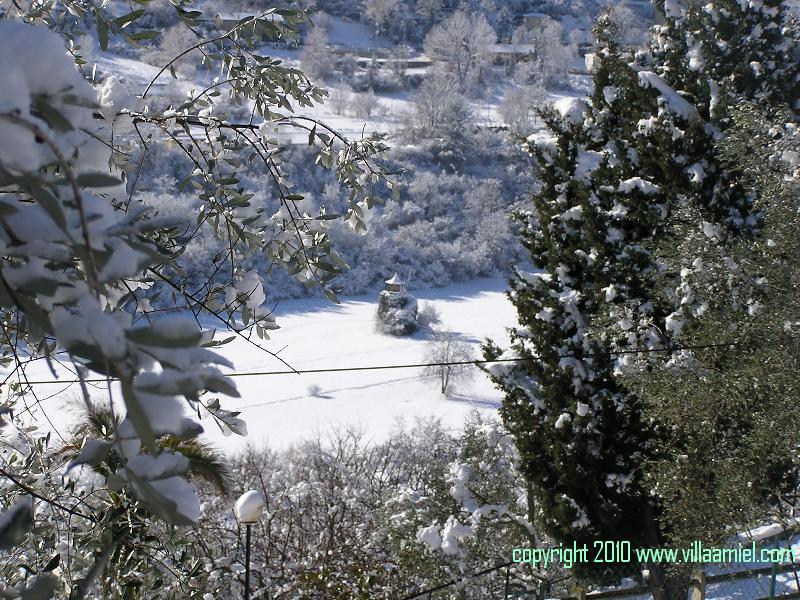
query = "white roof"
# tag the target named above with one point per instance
(395, 280)
(512, 48)
(536, 15)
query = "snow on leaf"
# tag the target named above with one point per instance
(452, 533)
(92, 453)
(160, 466)
(430, 536)
(173, 499)
(637, 183)
(586, 162)
(563, 420)
(167, 332)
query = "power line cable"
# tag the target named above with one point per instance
(453, 582)
(415, 365)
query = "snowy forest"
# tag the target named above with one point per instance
(397, 299)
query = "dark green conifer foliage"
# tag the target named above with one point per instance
(580, 433)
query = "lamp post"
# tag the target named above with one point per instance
(248, 510)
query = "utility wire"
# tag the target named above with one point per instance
(415, 365)
(505, 565)
(453, 582)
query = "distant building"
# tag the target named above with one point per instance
(503, 52)
(395, 284)
(535, 20)
(509, 55)
(591, 61)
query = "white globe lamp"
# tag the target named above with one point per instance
(249, 507)
(248, 510)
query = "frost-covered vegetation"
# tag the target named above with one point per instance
(652, 262)
(160, 169)
(450, 222)
(346, 518)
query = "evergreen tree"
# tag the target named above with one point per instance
(580, 433)
(731, 413)
(632, 193)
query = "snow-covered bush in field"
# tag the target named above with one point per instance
(339, 98)
(364, 104)
(448, 358)
(397, 313)
(84, 254)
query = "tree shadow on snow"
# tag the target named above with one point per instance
(476, 402)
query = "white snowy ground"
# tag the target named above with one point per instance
(317, 334)
(280, 409)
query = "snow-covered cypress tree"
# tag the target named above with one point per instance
(703, 62)
(580, 434)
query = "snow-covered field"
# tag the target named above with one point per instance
(316, 334)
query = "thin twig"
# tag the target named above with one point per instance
(28, 490)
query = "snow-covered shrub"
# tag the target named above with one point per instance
(397, 313)
(172, 42)
(364, 104)
(518, 109)
(339, 98)
(438, 109)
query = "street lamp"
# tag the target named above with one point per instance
(248, 510)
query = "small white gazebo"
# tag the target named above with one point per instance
(395, 284)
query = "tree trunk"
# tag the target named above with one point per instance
(668, 582)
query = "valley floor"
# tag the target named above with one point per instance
(316, 334)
